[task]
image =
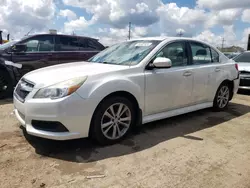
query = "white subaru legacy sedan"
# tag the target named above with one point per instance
(127, 84)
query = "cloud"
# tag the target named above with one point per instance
(244, 39)
(223, 4)
(222, 17)
(70, 15)
(109, 36)
(118, 13)
(76, 25)
(216, 40)
(173, 17)
(18, 16)
(246, 16)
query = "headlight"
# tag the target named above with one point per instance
(61, 89)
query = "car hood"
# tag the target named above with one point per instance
(54, 74)
(244, 66)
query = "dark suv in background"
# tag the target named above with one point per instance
(20, 57)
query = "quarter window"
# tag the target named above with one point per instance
(176, 53)
(40, 44)
(200, 53)
(215, 55)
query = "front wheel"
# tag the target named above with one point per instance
(222, 97)
(112, 120)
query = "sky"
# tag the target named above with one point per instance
(107, 20)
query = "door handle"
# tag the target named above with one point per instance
(50, 54)
(187, 73)
(217, 69)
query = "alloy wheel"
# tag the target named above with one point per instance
(223, 96)
(116, 121)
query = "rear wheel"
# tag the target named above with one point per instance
(112, 120)
(5, 84)
(222, 97)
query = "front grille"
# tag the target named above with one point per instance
(23, 88)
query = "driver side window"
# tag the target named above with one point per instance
(40, 44)
(176, 53)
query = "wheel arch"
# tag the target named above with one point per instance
(231, 85)
(9, 72)
(127, 95)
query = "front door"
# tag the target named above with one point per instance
(169, 88)
(39, 53)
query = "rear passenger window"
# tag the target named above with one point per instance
(200, 53)
(65, 43)
(215, 55)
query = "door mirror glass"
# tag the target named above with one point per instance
(162, 62)
(19, 48)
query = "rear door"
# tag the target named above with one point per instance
(67, 49)
(206, 70)
(39, 53)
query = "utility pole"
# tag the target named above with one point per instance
(129, 30)
(222, 44)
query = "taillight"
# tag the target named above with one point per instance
(236, 66)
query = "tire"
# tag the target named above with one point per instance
(222, 97)
(5, 85)
(106, 129)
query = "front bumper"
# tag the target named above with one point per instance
(73, 112)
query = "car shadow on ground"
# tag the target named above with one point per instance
(6, 101)
(149, 135)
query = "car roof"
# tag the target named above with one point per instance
(84, 37)
(165, 38)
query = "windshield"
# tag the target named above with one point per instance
(243, 58)
(126, 53)
(7, 45)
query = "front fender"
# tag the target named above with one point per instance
(100, 90)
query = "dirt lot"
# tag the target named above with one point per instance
(200, 149)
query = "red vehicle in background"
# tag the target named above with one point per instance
(33, 52)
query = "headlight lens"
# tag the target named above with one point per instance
(61, 89)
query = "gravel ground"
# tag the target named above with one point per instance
(200, 149)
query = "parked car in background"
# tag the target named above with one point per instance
(243, 61)
(130, 83)
(231, 55)
(20, 57)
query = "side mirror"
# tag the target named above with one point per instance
(162, 62)
(19, 48)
